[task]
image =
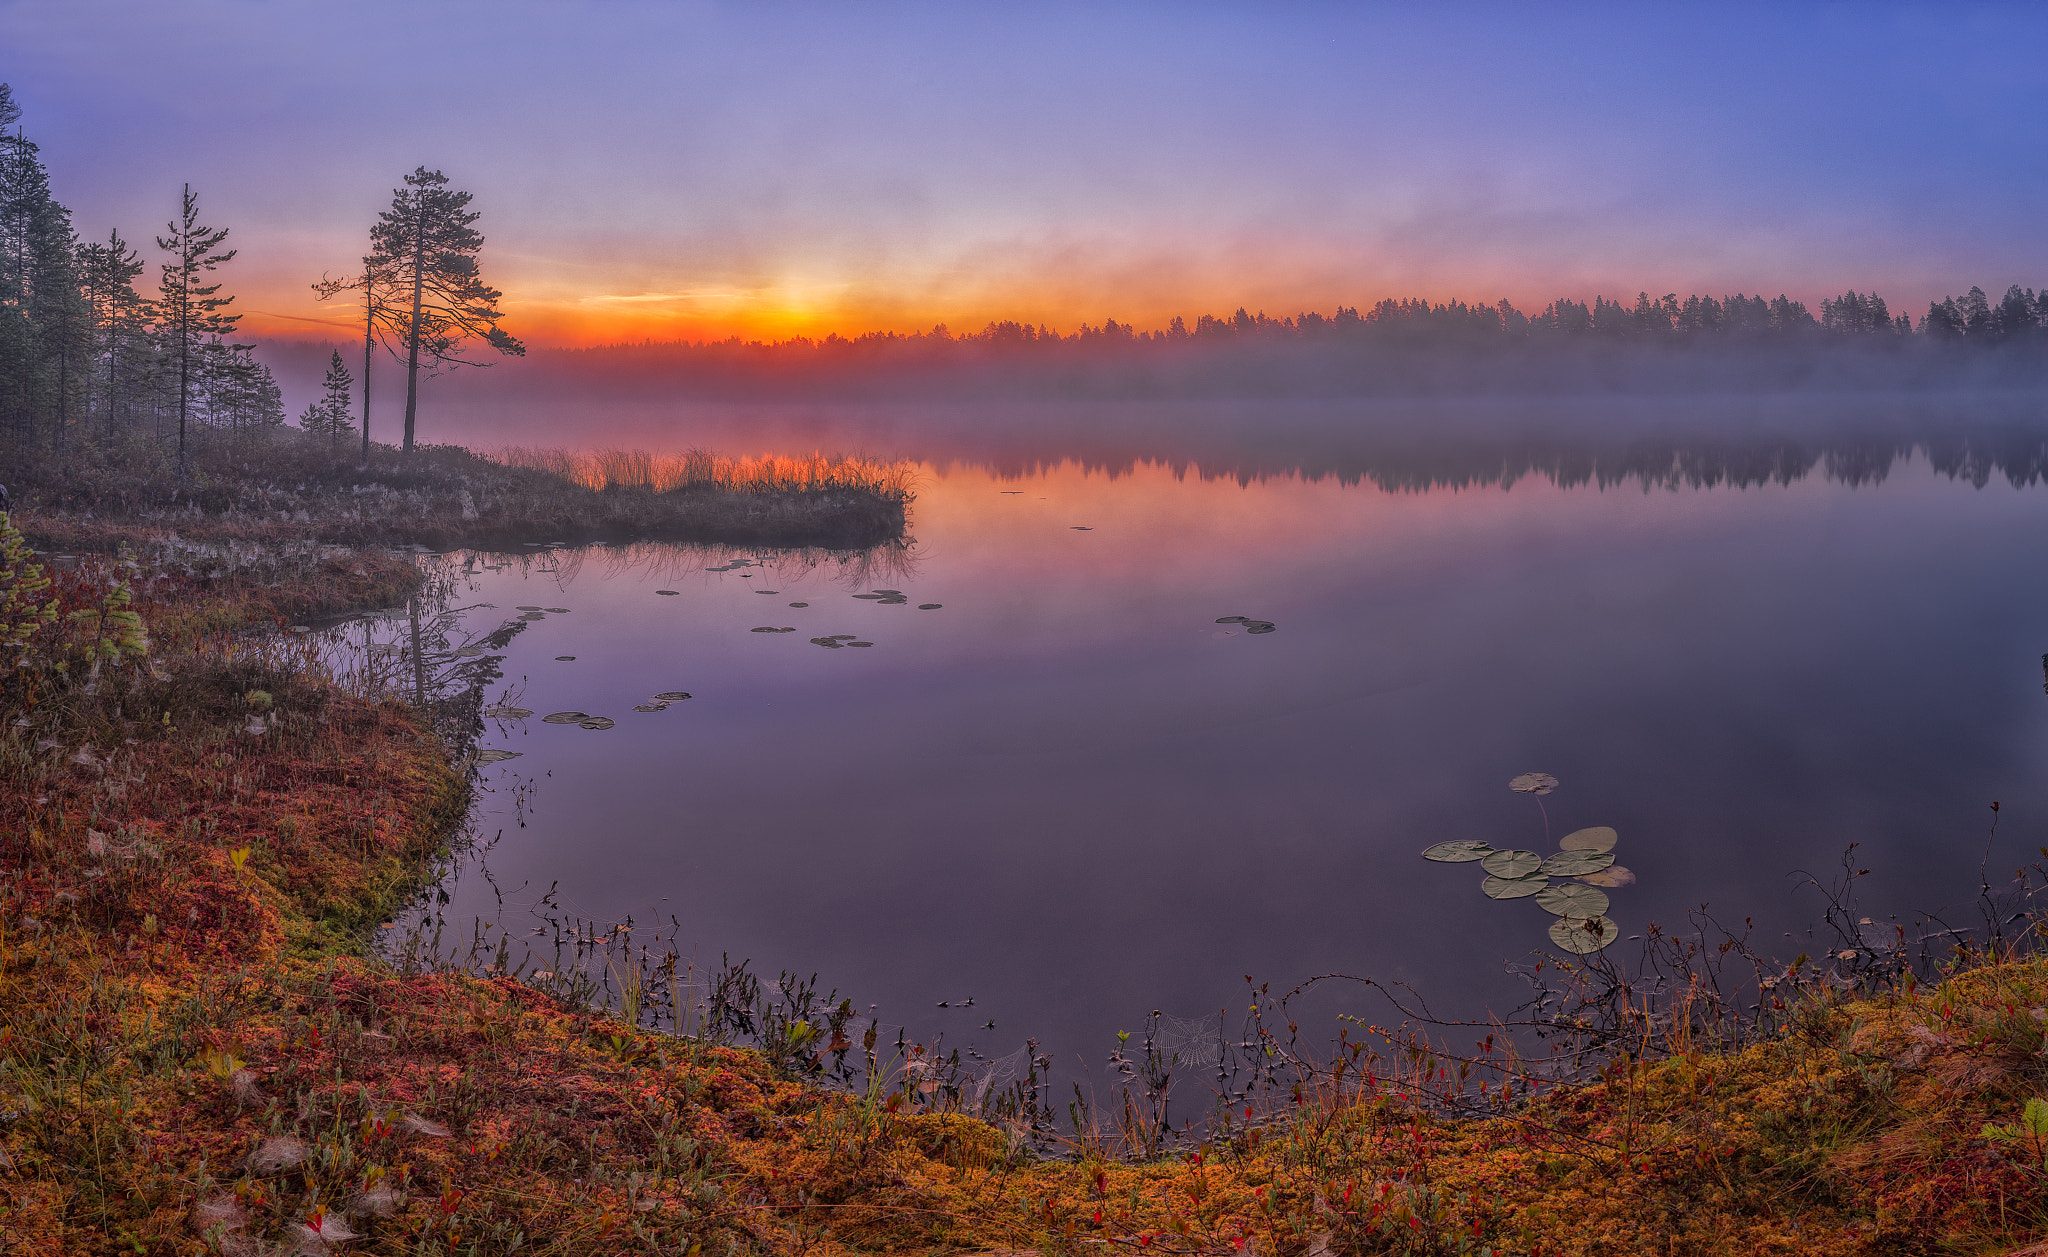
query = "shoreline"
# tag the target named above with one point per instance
(205, 1055)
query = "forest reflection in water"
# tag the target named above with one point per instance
(1073, 795)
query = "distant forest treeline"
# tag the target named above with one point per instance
(1397, 346)
(83, 355)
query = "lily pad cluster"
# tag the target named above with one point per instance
(885, 597)
(1250, 625)
(837, 640)
(1585, 857)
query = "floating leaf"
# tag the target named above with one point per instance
(1533, 783)
(1463, 851)
(799, 604)
(1081, 527)
(565, 659)
(825, 641)
(1612, 878)
(493, 756)
(597, 722)
(652, 707)
(508, 713)
(556, 610)
(766, 629)
(1572, 900)
(844, 637)
(1598, 838)
(668, 593)
(1260, 626)
(1512, 863)
(671, 696)
(929, 606)
(767, 591)
(533, 615)
(524, 607)
(1512, 887)
(565, 717)
(1235, 619)
(870, 597)
(1583, 935)
(1577, 863)
(860, 643)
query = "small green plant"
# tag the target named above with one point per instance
(2028, 1135)
(258, 700)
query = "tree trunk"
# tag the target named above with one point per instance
(369, 341)
(412, 358)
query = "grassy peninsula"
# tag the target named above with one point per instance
(201, 1052)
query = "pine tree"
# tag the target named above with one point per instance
(375, 283)
(190, 312)
(337, 390)
(108, 273)
(426, 244)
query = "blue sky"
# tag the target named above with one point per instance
(695, 169)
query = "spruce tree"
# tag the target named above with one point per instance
(108, 273)
(375, 283)
(336, 391)
(189, 312)
(426, 244)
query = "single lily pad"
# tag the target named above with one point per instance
(860, 643)
(1082, 527)
(799, 604)
(765, 629)
(1512, 863)
(494, 755)
(1235, 619)
(825, 641)
(929, 606)
(844, 637)
(1463, 851)
(1577, 863)
(533, 615)
(508, 713)
(1598, 838)
(1572, 900)
(597, 722)
(668, 593)
(1613, 878)
(652, 707)
(1583, 935)
(870, 597)
(556, 610)
(565, 659)
(1533, 783)
(524, 607)
(565, 717)
(1260, 626)
(671, 696)
(1512, 887)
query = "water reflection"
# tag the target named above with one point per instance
(1076, 796)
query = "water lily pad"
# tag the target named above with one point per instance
(765, 629)
(860, 643)
(1463, 851)
(1577, 863)
(1081, 527)
(671, 696)
(668, 593)
(870, 597)
(844, 637)
(1612, 878)
(1572, 900)
(1512, 863)
(565, 659)
(1512, 887)
(533, 615)
(596, 722)
(508, 713)
(929, 606)
(799, 604)
(556, 610)
(1235, 619)
(523, 607)
(652, 707)
(1533, 783)
(1260, 626)
(825, 641)
(1583, 935)
(565, 717)
(767, 591)
(1598, 838)
(493, 756)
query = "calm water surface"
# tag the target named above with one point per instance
(1071, 795)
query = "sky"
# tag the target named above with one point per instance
(679, 170)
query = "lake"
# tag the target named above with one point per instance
(1071, 795)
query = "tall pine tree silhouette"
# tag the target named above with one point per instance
(189, 311)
